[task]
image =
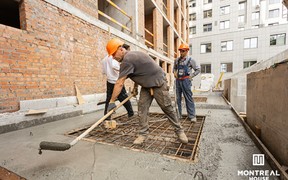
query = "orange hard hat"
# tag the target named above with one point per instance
(183, 47)
(113, 45)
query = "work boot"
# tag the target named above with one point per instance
(182, 137)
(130, 116)
(194, 120)
(140, 139)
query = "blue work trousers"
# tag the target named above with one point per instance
(184, 86)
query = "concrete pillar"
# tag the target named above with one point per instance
(157, 60)
(178, 17)
(170, 42)
(140, 22)
(158, 31)
(177, 45)
(170, 11)
(164, 66)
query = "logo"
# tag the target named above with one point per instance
(257, 174)
(258, 160)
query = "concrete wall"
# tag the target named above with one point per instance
(267, 102)
(239, 80)
(227, 89)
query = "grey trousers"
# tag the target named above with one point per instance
(161, 95)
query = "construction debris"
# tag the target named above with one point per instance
(36, 112)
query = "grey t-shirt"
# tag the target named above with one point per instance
(142, 69)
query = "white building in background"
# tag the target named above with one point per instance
(227, 36)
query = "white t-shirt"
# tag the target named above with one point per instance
(110, 67)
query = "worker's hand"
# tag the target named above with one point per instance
(191, 77)
(175, 74)
(135, 91)
(111, 106)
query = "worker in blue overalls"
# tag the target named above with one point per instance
(183, 67)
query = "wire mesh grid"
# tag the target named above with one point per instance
(161, 139)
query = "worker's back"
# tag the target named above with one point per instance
(142, 69)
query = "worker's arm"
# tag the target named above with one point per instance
(116, 91)
(135, 89)
(195, 67)
(117, 88)
(175, 68)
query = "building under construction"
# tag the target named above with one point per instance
(52, 89)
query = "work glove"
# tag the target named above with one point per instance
(111, 106)
(135, 91)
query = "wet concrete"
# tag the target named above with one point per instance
(225, 148)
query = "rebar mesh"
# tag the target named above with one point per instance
(161, 139)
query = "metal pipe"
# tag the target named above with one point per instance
(113, 20)
(121, 10)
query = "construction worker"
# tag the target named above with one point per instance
(183, 73)
(111, 70)
(142, 69)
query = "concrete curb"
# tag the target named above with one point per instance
(37, 121)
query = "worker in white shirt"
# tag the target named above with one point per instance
(111, 69)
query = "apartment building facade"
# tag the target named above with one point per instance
(228, 36)
(49, 46)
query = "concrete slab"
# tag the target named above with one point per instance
(224, 149)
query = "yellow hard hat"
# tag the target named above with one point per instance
(113, 45)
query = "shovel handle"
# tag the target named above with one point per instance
(100, 121)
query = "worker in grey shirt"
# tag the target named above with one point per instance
(183, 72)
(142, 69)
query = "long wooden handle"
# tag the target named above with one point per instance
(99, 121)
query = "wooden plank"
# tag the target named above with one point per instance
(35, 112)
(79, 96)
(5, 174)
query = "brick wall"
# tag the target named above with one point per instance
(44, 61)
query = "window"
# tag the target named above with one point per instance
(207, 14)
(206, 48)
(248, 63)
(193, 3)
(255, 15)
(273, 13)
(224, 10)
(207, 1)
(226, 45)
(192, 30)
(207, 27)
(224, 24)
(278, 39)
(274, 1)
(242, 5)
(205, 68)
(255, 2)
(250, 43)
(226, 67)
(192, 17)
(9, 13)
(241, 19)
